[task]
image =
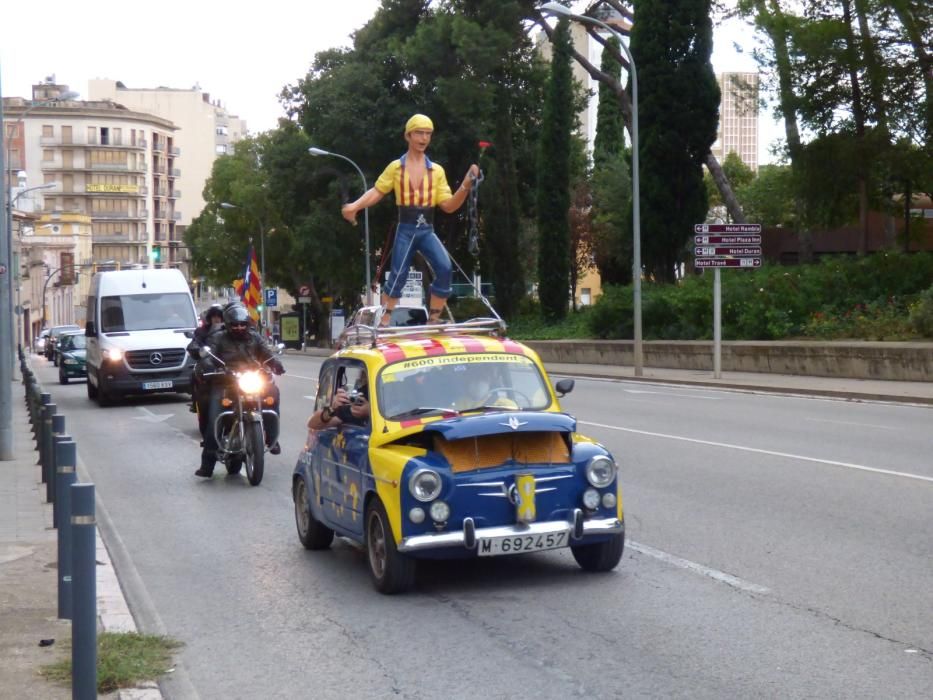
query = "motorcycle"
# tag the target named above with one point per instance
(239, 428)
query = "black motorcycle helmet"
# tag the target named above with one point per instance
(236, 320)
(213, 311)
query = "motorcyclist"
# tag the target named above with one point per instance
(212, 320)
(238, 346)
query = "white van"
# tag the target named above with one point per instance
(139, 324)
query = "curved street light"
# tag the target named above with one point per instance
(556, 9)
(321, 152)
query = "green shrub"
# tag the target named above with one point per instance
(612, 314)
(921, 314)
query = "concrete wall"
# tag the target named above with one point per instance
(857, 360)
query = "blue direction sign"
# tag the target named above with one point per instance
(272, 296)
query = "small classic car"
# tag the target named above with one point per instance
(465, 452)
(71, 353)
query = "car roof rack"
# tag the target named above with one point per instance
(359, 334)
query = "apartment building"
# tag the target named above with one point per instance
(205, 130)
(114, 165)
(738, 118)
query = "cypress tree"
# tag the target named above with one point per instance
(553, 194)
(678, 112)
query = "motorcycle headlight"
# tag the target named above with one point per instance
(250, 382)
(600, 471)
(114, 354)
(425, 485)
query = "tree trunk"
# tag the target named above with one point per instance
(725, 189)
(858, 114)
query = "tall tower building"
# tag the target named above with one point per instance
(738, 118)
(205, 130)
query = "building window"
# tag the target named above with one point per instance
(104, 136)
(92, 134)
(117, 137)
(221, 149)
(221, 130)
(48, 155)
(48, 131)
(66, 134)
(586, 296)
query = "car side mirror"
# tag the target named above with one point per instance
(89, 330)
(563, 387)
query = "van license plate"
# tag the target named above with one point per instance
(157, 385)
(517, 544)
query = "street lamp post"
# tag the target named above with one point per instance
(555, 8)
(320, 152)
(17, 279)
(262, 262)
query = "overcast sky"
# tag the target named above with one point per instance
(241, 57)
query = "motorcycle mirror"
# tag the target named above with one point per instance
(203, 352)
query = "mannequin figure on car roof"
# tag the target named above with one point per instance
(239, 347)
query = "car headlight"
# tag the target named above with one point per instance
(591, 499)
(250, 382)
(70, 361)
(425, 485)
(114, 354)
(440, 512)
(600, 471)
(416, 515)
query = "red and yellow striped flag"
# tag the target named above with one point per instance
(247, 288)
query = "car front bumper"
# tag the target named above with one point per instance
(578, 527)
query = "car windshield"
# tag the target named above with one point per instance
(63, 329)
(146, 312)
(74, 342)
(460, 384)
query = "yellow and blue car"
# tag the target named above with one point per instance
(465, 452)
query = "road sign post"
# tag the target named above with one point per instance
(719, 246)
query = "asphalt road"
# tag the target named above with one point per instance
(777, 547)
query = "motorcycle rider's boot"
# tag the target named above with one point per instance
(276, 448)
(206, 470)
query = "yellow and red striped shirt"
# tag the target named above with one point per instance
(431, 191)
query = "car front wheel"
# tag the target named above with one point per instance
(603, 556)
(392, 571)
(313, 535)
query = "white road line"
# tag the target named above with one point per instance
(669, 394)
(847, 465)
(300, 376)
(715, 574)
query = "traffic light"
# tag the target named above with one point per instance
(156, 253)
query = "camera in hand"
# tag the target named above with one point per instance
(357, 397)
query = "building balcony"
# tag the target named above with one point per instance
(176, 215)
(176, 172)
(142, 143)
(176, 150)
(158, 147)
(174, 194)
(158, 170)
(108, 189)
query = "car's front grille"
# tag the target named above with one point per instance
(495, 450)
(155, 359)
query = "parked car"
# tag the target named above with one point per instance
(466, 452)
(38, 345)
(54, 332)
(71, 356)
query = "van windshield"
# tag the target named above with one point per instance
(146, 312)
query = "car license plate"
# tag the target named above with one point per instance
(518, 544)
(157, 385)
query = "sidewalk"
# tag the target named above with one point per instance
(28, 578)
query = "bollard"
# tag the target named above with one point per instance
(84, 594)
(58, 429)
(65, 476)
(45, 454)
(51, 488)
(44, 400)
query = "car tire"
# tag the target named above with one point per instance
(311, 532)
(602, 556)
(91, 389)
(104, 397)
(62, 377)
(391, 571)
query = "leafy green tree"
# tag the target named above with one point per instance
(739, 175)
(553, 191)
(678, 111)
(611, 178)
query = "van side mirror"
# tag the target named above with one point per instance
(564, 386)
(89, 330)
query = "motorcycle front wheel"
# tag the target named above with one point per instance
(255, 453)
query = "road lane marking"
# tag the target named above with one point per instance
(715, 574)
(667, 393)
(860, 425)
(300, 376)
(151, 417)
(773, 453)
